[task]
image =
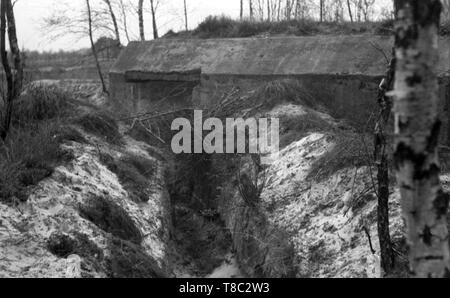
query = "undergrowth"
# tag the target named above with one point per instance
(101, 125)
(286, 90)
(44, 117)
(29, 155)
(129, 260)
(134, 173)
(111, 218)
(226, 27)
(349, 150)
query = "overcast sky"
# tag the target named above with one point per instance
(30, 13)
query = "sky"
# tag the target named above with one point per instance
(32, 35)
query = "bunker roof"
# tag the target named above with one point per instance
(350, 54)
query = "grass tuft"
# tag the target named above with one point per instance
(349, 150)
(287, 90)
(129, 260)
(27, 157)
(40, 102)
(134, 173)
(101, 125)
(111, 218)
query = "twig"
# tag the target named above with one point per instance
(366, 230)
(378, 48)
(152, 134)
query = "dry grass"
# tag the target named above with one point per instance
(101, 125)
(32, 149)
(287, 90)
(296, 128)
(27, 157)
(111, 218)
(39, 103)
(349, 150)
(129, 260)
(134, 173)
(43, 119)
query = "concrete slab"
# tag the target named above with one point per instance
(347, 55)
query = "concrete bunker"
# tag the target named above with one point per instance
(342, 72)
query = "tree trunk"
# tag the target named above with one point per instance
(14, 79)
(8, 73)
(417, 125)
(241, 15)
(186, 17)
(250, 3)
(321, 11)
(155, 27)
(125, 21)
(279, 11)
(358, 10)
(349, 6)
(94, 51)
(141, 19)
(381, 160)
(114, 21)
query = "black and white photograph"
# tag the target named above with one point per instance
(226, 146)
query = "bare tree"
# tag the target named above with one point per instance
(114, 20)
(417, 125)
(381, 157)
(445, 10)
(125, 20)
(250, 3)
(241, 15)
(94, 51)
(350, 14)
(321, 10)
(185, 16)
(14, 76)
(155, 27)
(367, 9)
(141, 19)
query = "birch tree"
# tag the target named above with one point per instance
(417, 128)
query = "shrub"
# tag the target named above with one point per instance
(296, 128)
(101, 125)
(349, 150)
(225, 27)
(129, 260)
(41, 102)
(134, 173)
(111, 218)
(214, 26)
(27, 157)
(68, 133)
(288, 90)
(61, 245)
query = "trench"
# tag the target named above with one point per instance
(202, 245)
(213, 232)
